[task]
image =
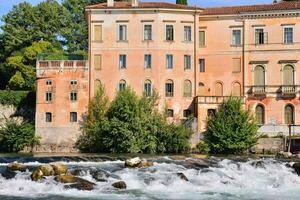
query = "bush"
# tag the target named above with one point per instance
(15, 136)
(231, 129)
(17, 98)
(130, 125)
(202, 147)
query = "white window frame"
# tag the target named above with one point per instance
(144, 36)
(185, 64)
(126, 33)
(173, 39)
(185, 37)
(264, 38)
(232, 36)
(122, 65)
(283, 35)
(167, 61)
(146, 64)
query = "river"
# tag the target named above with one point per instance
(211, 179)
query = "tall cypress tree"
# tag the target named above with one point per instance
(182, 2)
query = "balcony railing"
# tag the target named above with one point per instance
(216, 99)
(288, 89)
(259, 90)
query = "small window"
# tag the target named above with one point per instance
(218, 89)
(98, 33)
(169, 61)
(122, 61)
(187, 113)
(147, 88)
(187, 33)
(187, 62)
(289, 114)
(202, 38)
(97, 62)
(202, 65)
(147, 32)
(73, 96)
(73, 116)
(48, 117)
(211, 112)
(48, 96)
(122, 33)
(169, 88)
(122, 85)
(147, 61)
(236, 37)
(288, 35)
(169, 33)
(170, 113)
(236, 65)
(187, 88)
(73, 82)
(261, 37)
(260, 114)
(48, 82)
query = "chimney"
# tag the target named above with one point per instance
(134, 3)
(110, 3)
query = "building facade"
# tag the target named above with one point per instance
(193, 57)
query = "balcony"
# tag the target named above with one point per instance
(258, 91)
(288, 91)
(216, 99)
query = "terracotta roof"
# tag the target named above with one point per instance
(284, 5)
(120, 5)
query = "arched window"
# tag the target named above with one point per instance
(219, 89)
(259, 76)
(97, 84)
(147, 87)
(122, 85)
(169, 89)
(289, 114)
(260, 114)
(288, 75)
(236, 89)
(187, 88)
(201, 89)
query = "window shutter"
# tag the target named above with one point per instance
(236, 65)
(202, 38)
(97, 62)
(219, 89)
(288, 75)
(98, 33)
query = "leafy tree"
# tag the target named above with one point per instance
(231, 129)
(14, 136)
(182, 2)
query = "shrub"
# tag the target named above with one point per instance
(15, 136)
(202, 147)
(17, 98)
(231, 129)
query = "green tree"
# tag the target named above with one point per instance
(182, 2)
(231, 129)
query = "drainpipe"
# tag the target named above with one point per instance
(89, 54)
(195, 61)
(243, 57)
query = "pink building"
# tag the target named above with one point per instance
(193, 57)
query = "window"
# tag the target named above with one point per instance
(122, 85)
(202, 38)
(147, 32)
(288, 75)
(170, 113)
(288, 35)
(261, 37)
(97, 85)
(122, 61)
(187, 33)
(236, 65)
(73, 96)
(97, 62)
(48, 96)
(98, 33)
(259, 76)
(187, 62)
(169, 33)
(73, 116)
(147, 88)
(236, 37)
(169, 88)
(122, 33)
(260, 114)
(187, 113)
(73, 82)
(147, 61)
(236, 89)
(218, 89)
(211, 112)
(201, 89)
(48, 117)
(169, 61)
(202, 65)
(289, 114)
(48, 82)
(187, 88)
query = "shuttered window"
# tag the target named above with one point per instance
(97, 62)
(236, 65)
(169, 88)
(288, 75)
(187, 88)
(289, 114)
(259, 76)
(260, 114)
(98, 33)
(202, 38)
(201, 89)
(219, 89)
(236, 89)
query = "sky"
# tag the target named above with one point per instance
(6, 5)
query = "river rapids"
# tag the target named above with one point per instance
(212, 179)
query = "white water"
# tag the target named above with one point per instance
(230, 180)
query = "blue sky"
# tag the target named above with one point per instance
(6, 5)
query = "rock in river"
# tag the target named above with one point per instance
(119, 185)
(59, 168)
(16, 167)
(296, 167)
(47, 170)
(37, 174)
(133, 162)
(85, 185)
(182, 176)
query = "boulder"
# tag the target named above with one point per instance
(36, 175)
(119, 185)
(66, 179)
(145, 163)
(100, 175)
(133, 162)
(84, 185)
(16, 167)
(59, 168)
(9, 174)
(285, 154)
(47, 170)
(79, 183)
(296, 167)
(182, 176)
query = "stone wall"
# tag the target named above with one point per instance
(269, 146)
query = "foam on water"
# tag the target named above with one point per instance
(270, 180)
